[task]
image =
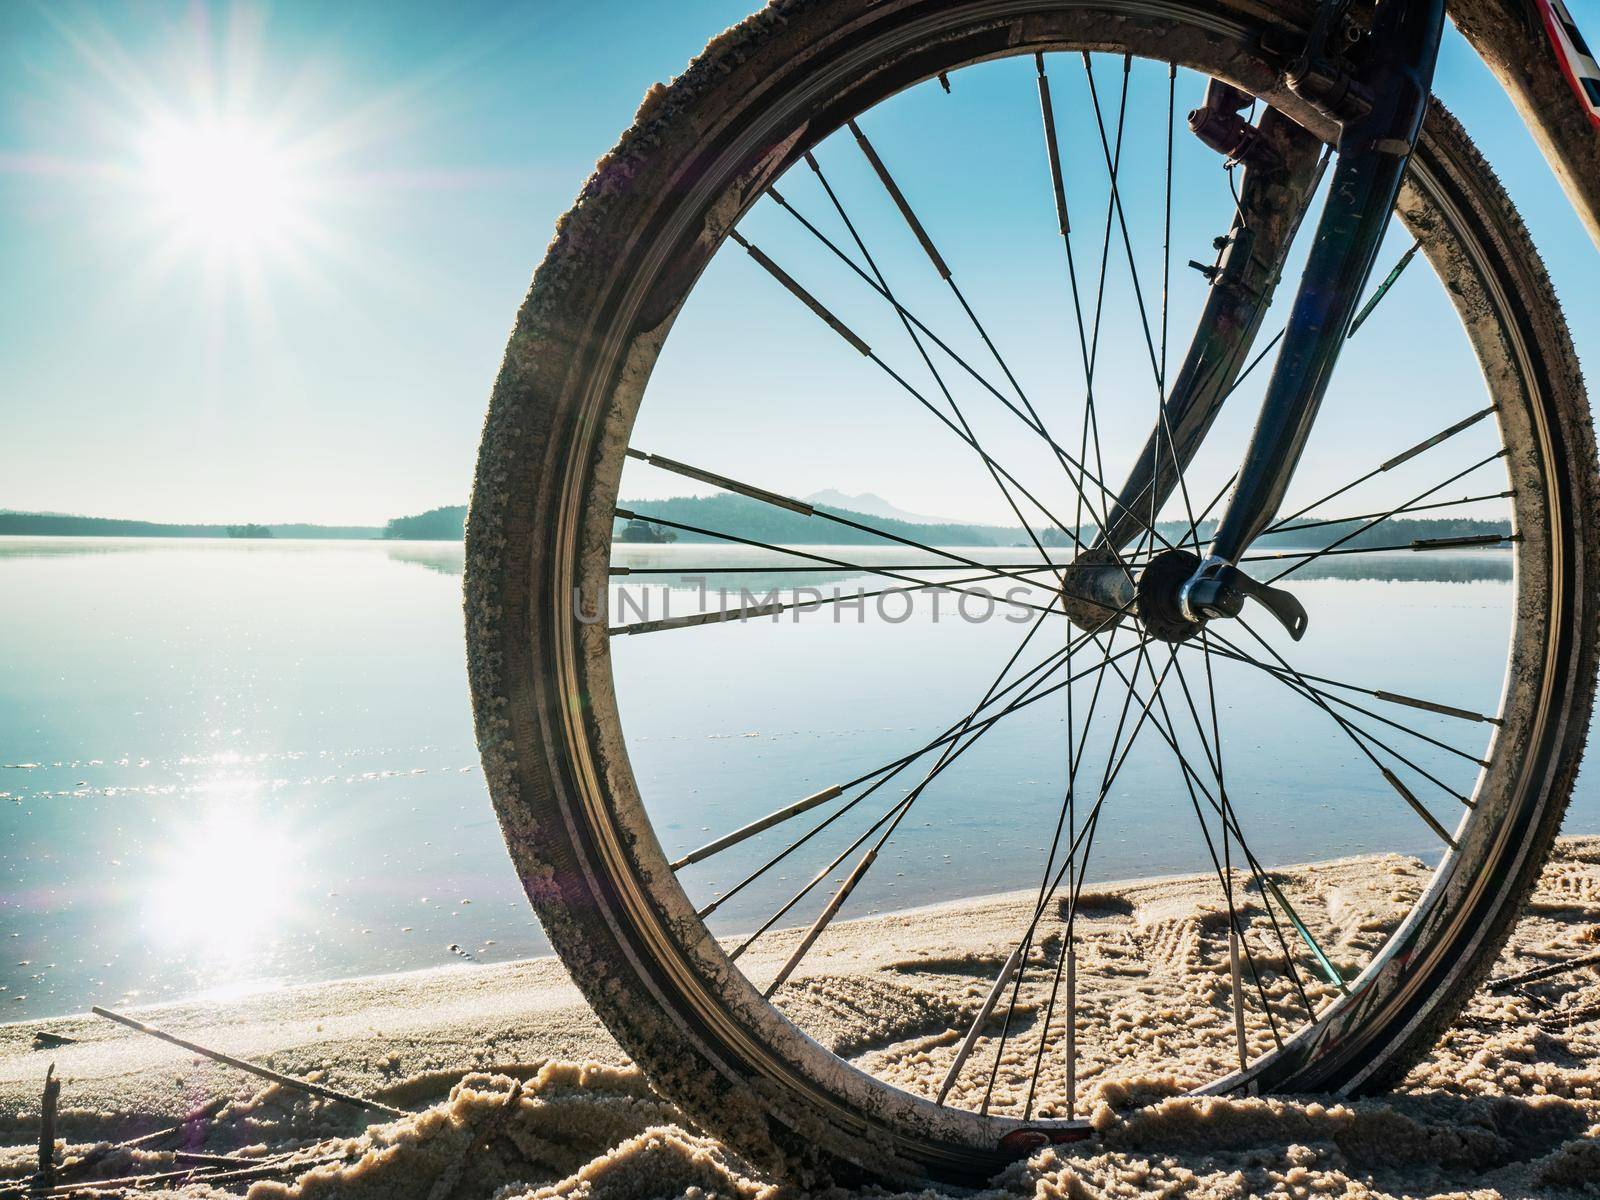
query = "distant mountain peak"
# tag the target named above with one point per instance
(873, 506)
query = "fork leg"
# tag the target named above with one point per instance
(1373, 151)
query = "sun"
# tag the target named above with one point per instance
(221, 184)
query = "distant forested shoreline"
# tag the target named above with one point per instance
(37, 524)
(699, 518)
(727, 513)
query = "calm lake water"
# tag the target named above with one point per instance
(233, 765)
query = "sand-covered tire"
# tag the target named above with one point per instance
(601, 304)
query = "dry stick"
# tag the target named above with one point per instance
(46, 1177)
(192, 1174)
(316, 1089)
(1560, 1022)
(202, 1159)
(204, 1112)
(1508, 982)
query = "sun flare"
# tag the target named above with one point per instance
(223, 185)
(226, 882)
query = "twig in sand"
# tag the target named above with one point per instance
(1564, 1019)
(82, 1163)
(204, 1113)
(274, 1166)
(1508, 982)
(316, 1089)
(46, 1177)
(201, 1159)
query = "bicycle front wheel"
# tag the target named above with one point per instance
(937, 241)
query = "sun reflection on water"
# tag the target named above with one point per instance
(224, 882)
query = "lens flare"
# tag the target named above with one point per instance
(221, 184)
(224, 884)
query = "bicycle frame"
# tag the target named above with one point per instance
(1530, 47)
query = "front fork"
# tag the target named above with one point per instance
(1382, 112)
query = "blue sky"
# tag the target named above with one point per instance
(159, 363)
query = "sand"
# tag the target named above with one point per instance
(520, 1091)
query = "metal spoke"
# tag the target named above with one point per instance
(775, 608)
(1356, 735)
(893, 818)
(942, 269)
(759, 825)
(1350, 704)
(1404, 456)
(1114, 163)
(998, 570)
(1116, 197)
(1067, 819)
(801, 507)
(911, 332)
(855, 341)
(1378, 520)
(1088, 830)
(1230, 818)
(1064, 224)
(1157, 365)
(1416, 545)
(1068, 956)
(1230, 823)
(1166, 239)
(630, 515)
(1047, 666)
(1083, 474)
(887, 772)
(1231, 829)
(1030, 695)
(1064, 822)
(1223, 866)
(1295, 682)
(1383, 289)
(1447, 710)
(1068, 959)
(1505, 495)
(1238, 986)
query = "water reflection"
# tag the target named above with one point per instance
(226, 763)
(735, 562)
(446, 558)
(224, 881)
(729, 567)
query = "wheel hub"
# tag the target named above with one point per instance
(1157, 598)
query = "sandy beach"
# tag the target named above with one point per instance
(518, 1090)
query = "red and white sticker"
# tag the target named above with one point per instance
(1577, 59)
